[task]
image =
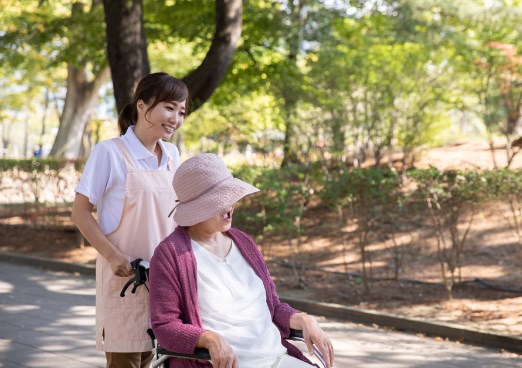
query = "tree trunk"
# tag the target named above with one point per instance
(6, 136)
(44, 117)
(288, 153)
(25, 148)
(3, 141)
(126, 47)
(79, 100)
(204, 80)
(298, 20)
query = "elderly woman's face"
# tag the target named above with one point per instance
(220, 222)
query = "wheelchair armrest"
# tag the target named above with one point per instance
(199, 354)
(161, 355)
(297, 335)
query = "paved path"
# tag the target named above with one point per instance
(47, 320)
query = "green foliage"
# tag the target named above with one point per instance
(38, 183)
(241, 121)
(504, 184)
(450, 197)
(49, 33)
(283, 199)
(174, 20)
(42, 39)
(371, 195)
(38, 165)
(363, 190)
(451, 188)
(349, 80)
(377, 102)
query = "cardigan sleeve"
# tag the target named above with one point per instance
(172, 323)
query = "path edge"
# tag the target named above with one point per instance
(398, 323)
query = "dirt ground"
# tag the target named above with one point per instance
(491, 266)
(490, 257)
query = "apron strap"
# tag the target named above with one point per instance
(129, 162)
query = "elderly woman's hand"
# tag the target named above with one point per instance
(221, 353)
(313, 335)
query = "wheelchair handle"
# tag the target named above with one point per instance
(141, 275)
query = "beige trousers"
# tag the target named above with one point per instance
(287, 361)
(129, 360)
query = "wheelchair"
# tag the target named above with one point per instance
(161, 356)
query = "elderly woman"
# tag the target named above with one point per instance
(210, 286)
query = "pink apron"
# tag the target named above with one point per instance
(122, 323)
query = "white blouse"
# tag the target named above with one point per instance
(104, 176)
(232, 302)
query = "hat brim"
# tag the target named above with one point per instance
(213, 202)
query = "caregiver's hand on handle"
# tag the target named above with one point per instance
(313, 335)
(220, 351)
(120, 264)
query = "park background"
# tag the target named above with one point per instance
(385, 136)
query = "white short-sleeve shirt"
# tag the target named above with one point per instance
(104, 176)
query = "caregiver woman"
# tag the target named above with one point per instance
(129, 180)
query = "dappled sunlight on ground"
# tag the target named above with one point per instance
(476, 155)
(5, 287)
(490, 254)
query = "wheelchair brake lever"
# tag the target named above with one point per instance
(141, 269)
(122, 294)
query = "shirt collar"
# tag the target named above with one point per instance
(139, 150)
(165, 153)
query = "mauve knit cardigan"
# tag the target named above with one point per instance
(174, 309)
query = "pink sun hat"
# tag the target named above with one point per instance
(205, 187)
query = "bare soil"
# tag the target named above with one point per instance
(326, 273)
(481, 300)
